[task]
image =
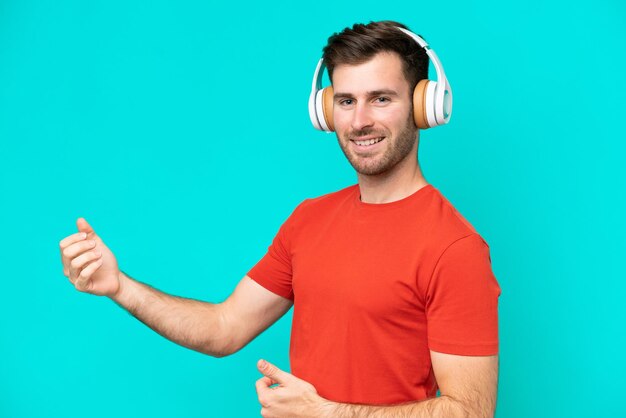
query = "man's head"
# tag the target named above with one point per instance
(374, 69)
(360, 43)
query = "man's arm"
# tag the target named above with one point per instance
(215, 329)
(468, 387)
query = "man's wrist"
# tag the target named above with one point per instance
(328, 409)
(122, 282)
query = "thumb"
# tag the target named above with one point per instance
(273, 372)
(83, 226)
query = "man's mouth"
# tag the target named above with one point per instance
(367, 142)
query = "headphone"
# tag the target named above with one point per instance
(432, 100)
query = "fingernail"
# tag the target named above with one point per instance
(263, 364)
(83, 235)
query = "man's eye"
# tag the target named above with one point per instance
(346, 102)
(382, 99)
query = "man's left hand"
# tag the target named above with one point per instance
(292, 397)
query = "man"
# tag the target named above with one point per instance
(393, 293)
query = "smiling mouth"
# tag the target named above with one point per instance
(367, 142)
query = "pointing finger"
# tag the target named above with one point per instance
(69, 240)
(273, 372)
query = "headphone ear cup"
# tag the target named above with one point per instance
(419, 104)
(327, 102)
(324, 108)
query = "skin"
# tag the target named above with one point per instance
(386, 173)
(390, 171)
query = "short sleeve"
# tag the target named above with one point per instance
(274, 270)
(462, 300)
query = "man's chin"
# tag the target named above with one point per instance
(369, 169)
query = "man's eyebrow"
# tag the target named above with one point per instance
(381, 92)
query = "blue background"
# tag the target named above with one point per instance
(180, 131)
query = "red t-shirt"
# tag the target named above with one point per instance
(375, 287)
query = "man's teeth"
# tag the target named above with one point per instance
(369, 141)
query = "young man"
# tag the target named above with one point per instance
(392, 288)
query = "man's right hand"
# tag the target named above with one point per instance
(88, 263)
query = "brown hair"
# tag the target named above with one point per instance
(360, 43)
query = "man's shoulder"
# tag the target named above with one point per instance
(449, 214)
(446, 220)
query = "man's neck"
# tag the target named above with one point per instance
(403, 180)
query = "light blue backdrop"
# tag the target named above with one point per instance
(180, 131)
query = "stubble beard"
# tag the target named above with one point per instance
(395, 152)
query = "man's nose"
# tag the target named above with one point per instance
(362, 117)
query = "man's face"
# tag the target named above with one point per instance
(373, 114)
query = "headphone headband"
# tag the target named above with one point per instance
(442, 88)
(317, 86)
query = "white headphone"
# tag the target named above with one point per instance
(432, 100)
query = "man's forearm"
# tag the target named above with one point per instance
(441, 407)
(191, 323)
